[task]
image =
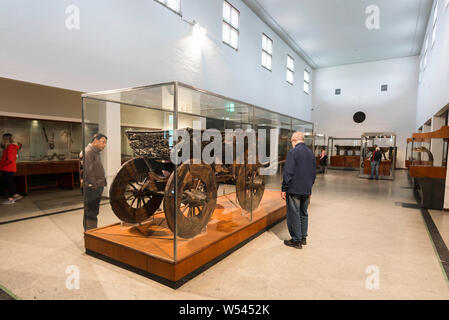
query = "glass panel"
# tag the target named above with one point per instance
(226, 12)
(173, 4)
(235, 18)
(234, 38)
(264, 42)
(290, 63)
(306, 76)
(269, 62)
(136, 164)
(306, 87)
(269, 46)
(264, 59)
(226, 32)
(434, 34)
(290, 76)
(157, 97)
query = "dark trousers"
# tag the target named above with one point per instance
(7, 183)
(92, 198)
(297, 216)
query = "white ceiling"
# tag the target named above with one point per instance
(333, 32)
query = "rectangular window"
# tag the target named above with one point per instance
(424, 58)
(267, 52)
(174, 5)
(290, 69)
(306, 81)
(434, 30)
(231, 21)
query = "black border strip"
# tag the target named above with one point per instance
(437, 239)
(188, 277)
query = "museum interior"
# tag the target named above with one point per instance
(197, 102)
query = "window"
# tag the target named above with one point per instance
(337, 92)
(434, 30)
(424, 57)
(306, 81)
(290, 69)
(267, 51)
(231, 17)
(447, 3)
(384, 87)
(174, 5)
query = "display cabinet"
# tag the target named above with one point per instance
(203, 173)
(386, 141)
(318, 141)
(429, 166)
(344, 153)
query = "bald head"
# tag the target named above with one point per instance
(298, 137)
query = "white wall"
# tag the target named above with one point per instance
(433, 90)
(131, 43)
(391, 111)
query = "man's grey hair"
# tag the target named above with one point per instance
(298, 136)
(98, 136)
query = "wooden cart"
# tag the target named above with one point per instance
(147, 180)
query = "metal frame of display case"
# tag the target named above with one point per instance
(330, 151)
(384, 166)
(408, 161)
(102, 96)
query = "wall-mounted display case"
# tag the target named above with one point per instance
(175, 212)
(386, 141)
(344, 153)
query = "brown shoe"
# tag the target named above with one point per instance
(293, 244)
(303, 242)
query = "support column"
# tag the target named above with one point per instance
(109, 125)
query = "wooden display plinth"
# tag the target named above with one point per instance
(345, 162)
(148, 249)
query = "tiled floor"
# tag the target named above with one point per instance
(42, 202)
(356, 233)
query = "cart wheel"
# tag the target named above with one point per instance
(250, 186)
(130, 200)
(197, 198)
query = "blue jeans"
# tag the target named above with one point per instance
(375, 166)
(297, 216)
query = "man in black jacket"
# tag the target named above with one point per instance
(376, 159)
(299, 177)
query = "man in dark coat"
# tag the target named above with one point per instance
(299, 177)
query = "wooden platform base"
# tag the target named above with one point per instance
(149, 250)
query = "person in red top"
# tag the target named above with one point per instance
(8, 167)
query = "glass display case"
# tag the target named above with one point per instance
(344, 153)
(197, 167)
(429, 165)
(386, 141)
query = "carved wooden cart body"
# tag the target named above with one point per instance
(144, 182)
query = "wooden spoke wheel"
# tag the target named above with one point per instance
(130, 198)
(197, 198)
(250, 186)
